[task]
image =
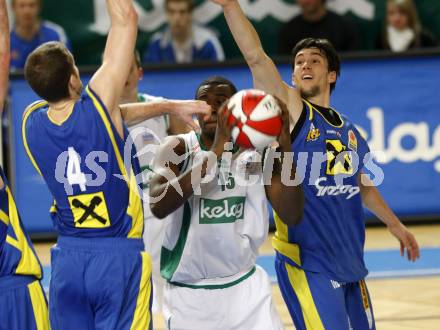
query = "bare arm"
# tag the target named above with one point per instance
(134, 113)
(264, 72)
(286, 200)
(4, 52)
(110, 78)
(373, 200)
(169, 188)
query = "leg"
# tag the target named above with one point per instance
(313, 300)
(68, 301)
(359, 308)
(119, 286)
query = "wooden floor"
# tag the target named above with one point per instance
(399, 304)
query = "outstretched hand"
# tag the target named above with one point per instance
(187, 109)
(407, 241)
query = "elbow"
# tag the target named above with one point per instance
(254, 57)
(158, 212)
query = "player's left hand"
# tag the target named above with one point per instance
(407, 241)
(187, 109)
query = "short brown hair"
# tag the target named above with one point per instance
(48, 70)
(188, 2)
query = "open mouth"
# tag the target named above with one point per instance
(307, 77)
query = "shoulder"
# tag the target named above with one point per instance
(161, 38)
(54, 30)
(33, 110)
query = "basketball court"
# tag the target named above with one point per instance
(405, 295)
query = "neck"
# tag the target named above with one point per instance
(130, 96)
(182, 36)
(60, 111)
(27, 32)
(323, 100)
(315, 15)
(61, 106)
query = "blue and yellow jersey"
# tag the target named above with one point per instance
(17, 255)
(88, 168)
(330, 152)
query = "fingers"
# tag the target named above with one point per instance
(412, 247)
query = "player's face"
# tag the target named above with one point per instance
(310, 74)
(179, 16)
(26, 11)
(215, 96)
(396, 17)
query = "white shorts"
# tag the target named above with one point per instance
(247, 305)
(154, 233)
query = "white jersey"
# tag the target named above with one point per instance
(147, 135)
(214, 237)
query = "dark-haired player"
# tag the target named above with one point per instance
(212, 240)
(101, 277)
(319, 262)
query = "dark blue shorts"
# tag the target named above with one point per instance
(23, 305)
(316, 302)
(100, 283)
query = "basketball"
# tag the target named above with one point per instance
(257, 116)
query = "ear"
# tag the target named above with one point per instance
(332, 77)
(72, 84)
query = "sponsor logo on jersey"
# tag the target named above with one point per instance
(225, 210)
(337, 190)
(352, 141)
(338, 158)
(89, 210)
(313, 134)
(334, 132)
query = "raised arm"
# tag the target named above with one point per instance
(110, 78)
(287, 199)
(134, 113)
(169, 188)
(4, 52)
(372, 200)
(264, 72)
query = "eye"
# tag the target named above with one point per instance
(299, 62)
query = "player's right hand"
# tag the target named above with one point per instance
(187, 109)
